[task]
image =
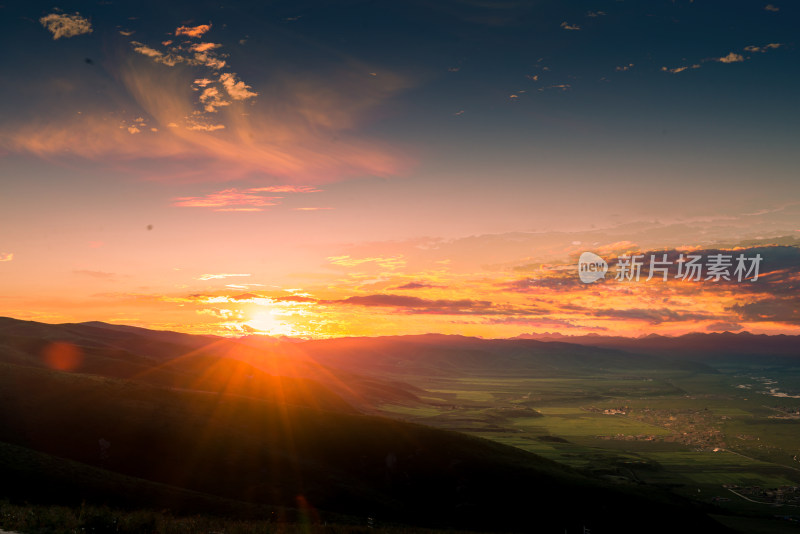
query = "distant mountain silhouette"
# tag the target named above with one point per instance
(694, 346)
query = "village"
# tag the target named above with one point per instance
(698, 428)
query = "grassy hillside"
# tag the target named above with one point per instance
(248, 450)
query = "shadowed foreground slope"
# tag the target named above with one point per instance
(252, 451)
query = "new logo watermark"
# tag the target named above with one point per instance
(591, 267)
(685, 267)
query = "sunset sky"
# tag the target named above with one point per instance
(316, 169)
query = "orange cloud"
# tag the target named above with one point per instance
(237, 90)
(193, 31)
(63, 25)
(202, 47)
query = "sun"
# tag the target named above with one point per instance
(266, 323)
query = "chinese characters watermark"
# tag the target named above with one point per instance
(686, 267)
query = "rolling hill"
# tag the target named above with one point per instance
(126, 429)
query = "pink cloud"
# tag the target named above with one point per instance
(252, 199)
(227, 199)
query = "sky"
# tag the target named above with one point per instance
(364, 168)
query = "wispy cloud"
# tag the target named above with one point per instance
(568, 26)
(221, 276)
(419, 305)
(724, 326)
(770, 7)
(287, 189)
(762, 49)
(63, 25)
(560, 87)
(6, 256)
(731, 57)
(676, 70)
(417, 285)
(251, 199)
(393, 262)
(202, 133)
(169, 59)
(226, 199)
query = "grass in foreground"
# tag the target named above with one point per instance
(38, 519)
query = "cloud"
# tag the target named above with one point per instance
(294, 298)
(252, 199)
(567, 26)
(287, 189)
(168, 59)
(192, 31)
(212, 99)
(220, 276)
(392, 263)
(595, 14)
(228, 198)
(6, 256)
(541, 322)
(772, 309)
(419, 305)
(770, 7)
(203, 126)
(762, 49)
(561, 87)
(312, 208)
(652, 316)
(724, 326)
(209, 60)
(237, 90)
(680, 69)
(309, 139)
(731, 58)
(417, 285)
(623, 68)
(537, 285)
(63, 25)
(203, 47)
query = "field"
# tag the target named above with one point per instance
(700, 435)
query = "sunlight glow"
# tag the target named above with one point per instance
(265, 322)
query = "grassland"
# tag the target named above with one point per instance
(696, 434)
